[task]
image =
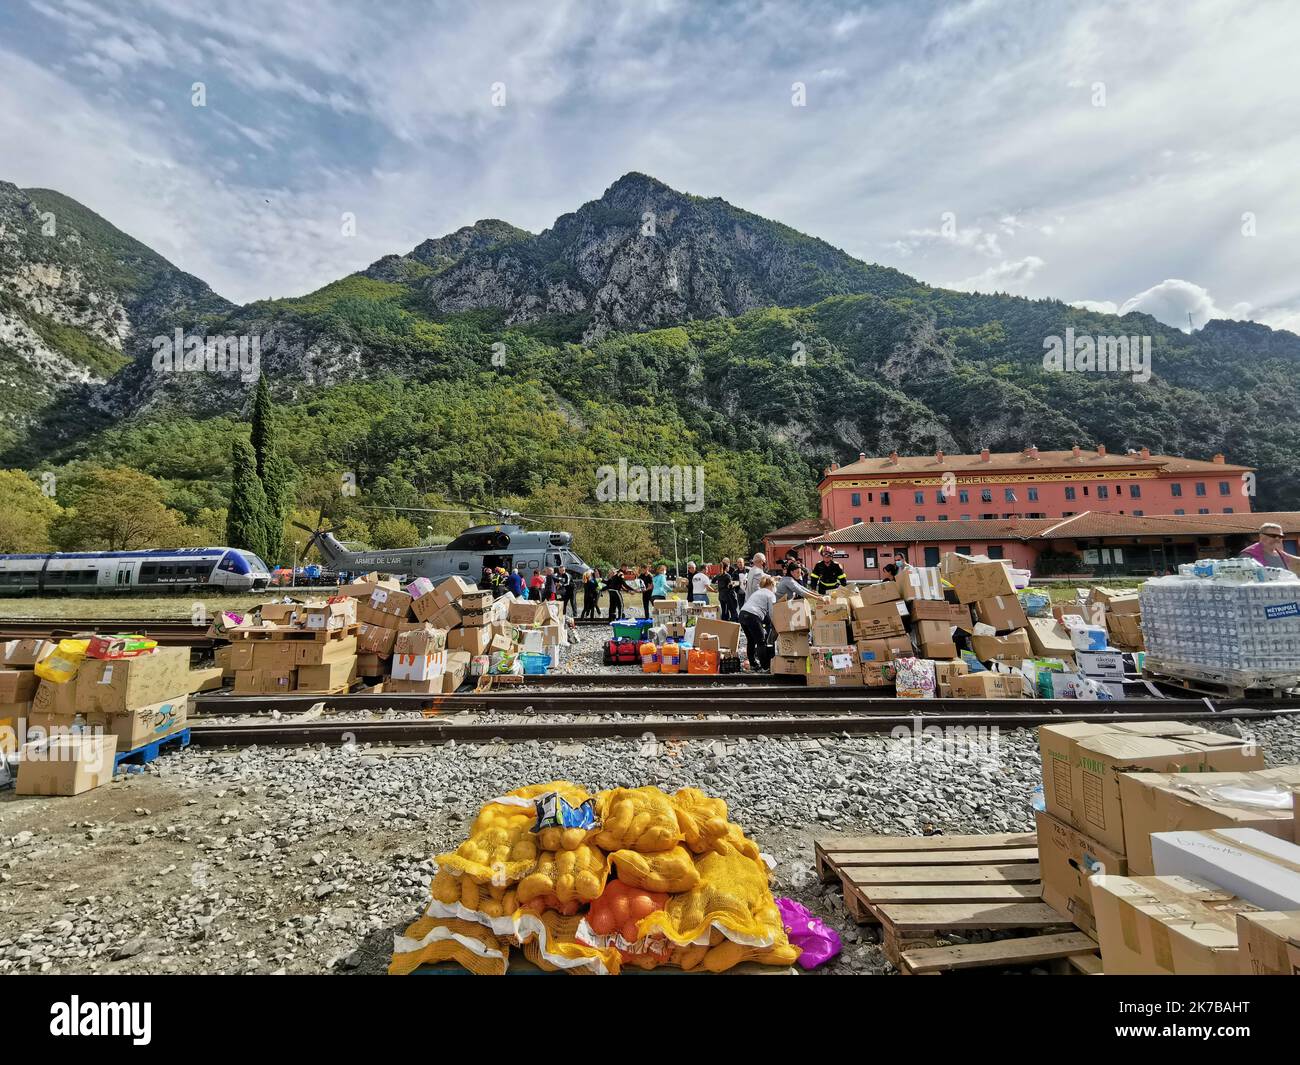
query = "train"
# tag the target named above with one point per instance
(162, 569)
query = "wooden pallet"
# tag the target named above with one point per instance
(291, 632)
(1220, 685)
(918, 887)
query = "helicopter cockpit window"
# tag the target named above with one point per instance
(464, 565)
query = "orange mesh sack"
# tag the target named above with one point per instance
(672, 871)
(639, 819)
(435, 939)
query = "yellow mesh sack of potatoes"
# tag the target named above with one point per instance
(719, 957)
(732, 897)
(638, 819)
(502, 848)
(435, 939)
(672, 871)
(551, 942)
(577, 875)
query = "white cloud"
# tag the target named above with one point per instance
(1005, 277)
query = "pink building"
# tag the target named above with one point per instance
(993, 486)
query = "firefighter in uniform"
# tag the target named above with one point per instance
(828, 574)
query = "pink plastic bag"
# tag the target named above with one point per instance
(818, 942)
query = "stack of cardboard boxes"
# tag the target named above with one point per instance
(1164, 842)
(1121, 613)
(111, 705)
(294, 647)
(18, 684)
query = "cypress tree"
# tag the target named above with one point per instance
(273, 471)
(246, 519)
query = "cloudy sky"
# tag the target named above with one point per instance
(1120, 154)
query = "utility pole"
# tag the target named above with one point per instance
(677, 565)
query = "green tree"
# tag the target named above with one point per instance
(274, 471)
(395, 532)
(26, 513)
(115, 509)
(246, 524)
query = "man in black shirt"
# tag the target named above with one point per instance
(828, 574)
(725, 582)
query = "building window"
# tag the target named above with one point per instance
(1067, 514)
(995, 551)
(856, 498)
(1085, 489)
(939, 497)
(1203, 510)
(1227, 510)
(884, 499)
(988, 517)
(986, 495)
(1200, 488)
(965, 517)
(869, 557)
(1008, 495)
(857, 519)
(920, 517)
(1135, 491)
(1033, 495)
(964, 549)
(886, 518)
(943, 517)
(1180, 510)
(1137, 513)
(1224, 490)
(1176, 489)
(1103, 491)
(963, 496)
(1069, 491)
(918, 497)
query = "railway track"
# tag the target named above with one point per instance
(168, 631)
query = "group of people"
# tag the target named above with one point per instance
(746, 591)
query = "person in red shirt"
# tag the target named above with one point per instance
(535, 585)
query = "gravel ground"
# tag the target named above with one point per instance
(309, 859)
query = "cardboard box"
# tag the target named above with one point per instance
(1125, 631)
(451, 589)
(364, 587)
(854, 679)
(376, 639)
(828, 633)
(526, 612)
(1054, 745)
(265, 682)
(1003, 612)
(16, 654)
(1262, 869)
(206, 679)
(391, 601)
(981, 580)
(456, 666)
(934, 639)
(327, 677)
(946, 671)
(986, 685)
(879, 619)
(134, 729)
(18, 685)
(275, 656)
(883, 649)
(369, 665)
(334, 614)
(1268, 943)
(433, 686)
(824, 661)
(54, 698)
(241, 655)
(1013, 647)
(476, 641)
(119, 685)
(835, 610)
(323, 652)
(279, 613)
(727, 632)
(1165, 925)
(12, 716)
(422, 640)
(475, 601)
(790, 665)
(428, 665)
(791, 643)
(1172, 802)
(937, 610)
(66, 765)
(791, 615)
(1049, 638)
(1101, 665)
(876, 594)
(878, 674)
(1067, 860)
(1114, 601)
(919, 582)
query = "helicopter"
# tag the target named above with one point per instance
(506, 544)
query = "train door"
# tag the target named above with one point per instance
(123, 579)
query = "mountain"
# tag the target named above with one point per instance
(648, 325)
